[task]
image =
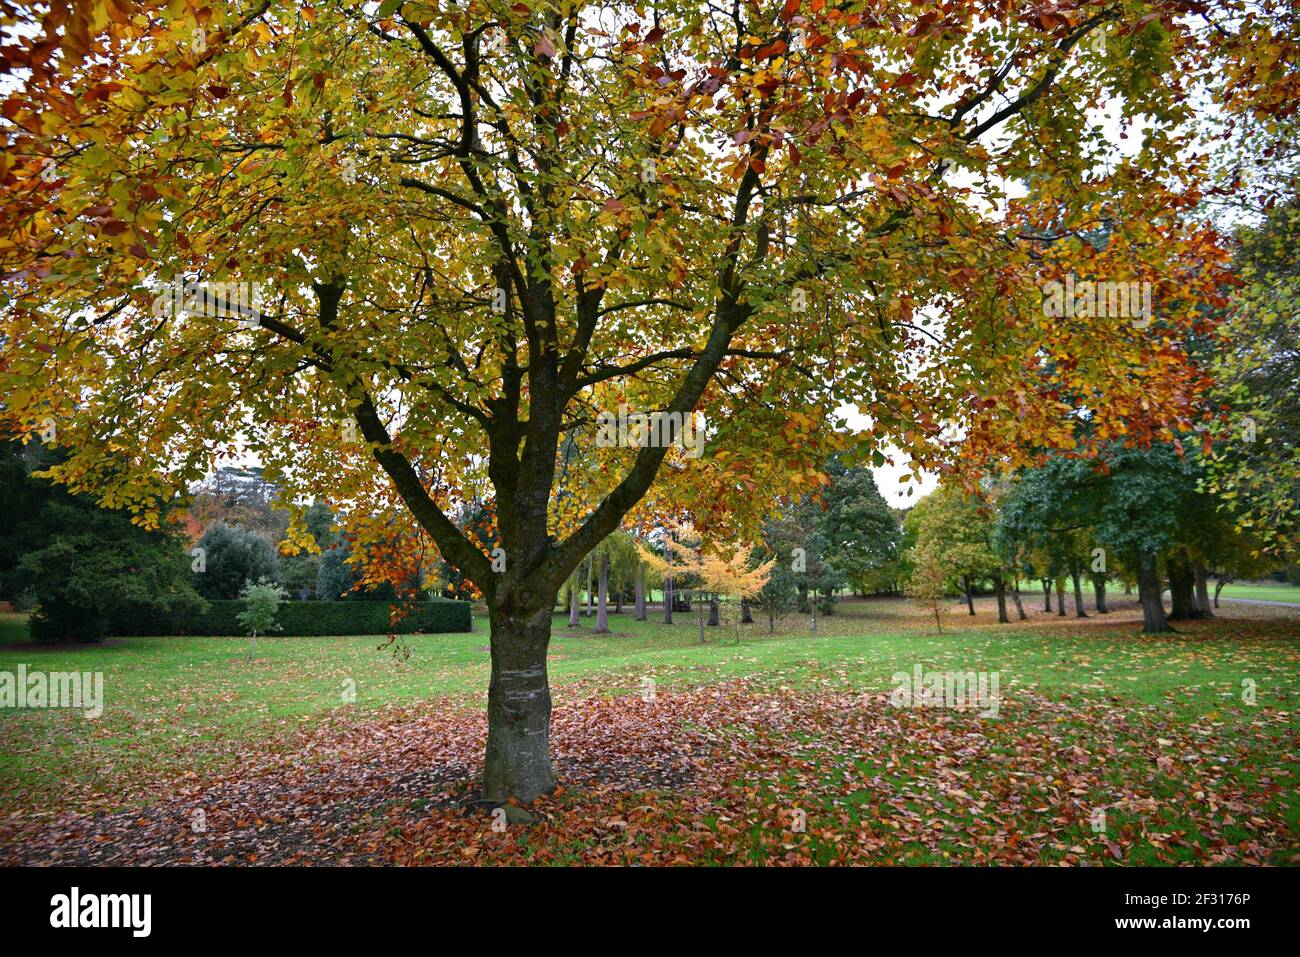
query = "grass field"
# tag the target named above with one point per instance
(1277, 592)
(1154, 728)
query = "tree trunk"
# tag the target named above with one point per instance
(591, 567)
(1047, 595)
(1001, 588)
(518, 760)
(602, 603)
(1218, 587)
(639, 613)
(1020, 608)
(1182, 586)
(668, 599)
(1078, 596)
(1202, 591)
(573, 605)
(970, 602)
(701, 616)
(713, 611)
(1060, 597)
(1099, 593)
(746, 615)
(1153, 608)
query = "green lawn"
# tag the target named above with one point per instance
(197, 705)
(1278, 592)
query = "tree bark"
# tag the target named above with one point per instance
(1078, 596)
(1099, 593)
(1060, 597)
(1153, 608)
(602, 603)
(1000, 587)
(1020, 608)
(591, 566)
(518, 761)
(1202, 590)
(1047, 595)
(668, 599)
(713, 611)
(573, 606)
(639, 613)
(1182, 586)
(746, 614)
(970, 602)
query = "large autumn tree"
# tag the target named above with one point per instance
(480, 224)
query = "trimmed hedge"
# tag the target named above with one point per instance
(313, 618)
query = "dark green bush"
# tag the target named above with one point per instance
(311, 618)
(231, 557)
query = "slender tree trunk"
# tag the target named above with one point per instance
(602, 603)
(1000, 587)
(1218, 587)
(1099, 593)
(518, 760)
(746, 615)
(1047, 595)
(713, 611)
(970, 602)
(639, 613)
(591, 569)
(668, 599)
(1015, 596)
(1203, 608)
(701, 617)
(573, 605)
(1078, 596)
(1153, 608)
(1060, 597)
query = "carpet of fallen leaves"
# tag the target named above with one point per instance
(724, 773)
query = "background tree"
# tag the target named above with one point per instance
(261, 600)
(928, 583)
(955, 530)
(858, 526)
(335, 577)
(231, 557)
(732, 575)
(91, 571)
(1255, 465)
